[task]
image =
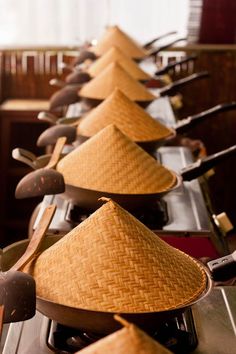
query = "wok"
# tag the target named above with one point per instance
(103, 322)
(92, 321)
(88, 199)
(70, 93)
(79, 76)
(181, 127)
(50, 135)
(90, 55)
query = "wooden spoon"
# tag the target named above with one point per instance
(17, 290)
(50, 135)
(44, 180)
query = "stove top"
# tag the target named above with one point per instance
(209, 328)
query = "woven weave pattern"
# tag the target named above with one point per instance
(111, 162)
(127, 340)
(115, 54)
(129, 117)
(115, 76)
(114, 36)
(112, 262)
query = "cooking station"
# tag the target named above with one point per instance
(183, 219)
(211, 328)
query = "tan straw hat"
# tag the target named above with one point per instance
(129, 339)
(115, 76)
(111, 262)
(128, 116)
(115, 54)
(111, 162)
(115, 36)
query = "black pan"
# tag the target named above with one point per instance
(50, 135)
(148, 44)
(88, 199)
(88, 54)
(70, 93)
(78, 76)
(94, 321)
(102, 322)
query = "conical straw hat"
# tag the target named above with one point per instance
(129, 339)
(111, 262)
(128, 116)
(115, 54)
(110, 162)
(115, 76)
(115, 36)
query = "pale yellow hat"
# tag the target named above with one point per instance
(129, 339)
(115, 36)
(111, 262)
(110, 162)
(116, 54)
(128, 116)
(115, 76)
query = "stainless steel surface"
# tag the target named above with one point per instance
(161, 110)
(215, 320)
(186, 205)
(214, 317)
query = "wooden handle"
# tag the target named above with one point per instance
(56, 152)
(47, 117)
(24, 156)
(36, 239)
(1, 319)
(57, 83)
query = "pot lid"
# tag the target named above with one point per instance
(115, 76)
(115, 36)
(111, 262)
(130, 339)
(115, 54)
(128, 116)
(110, 162)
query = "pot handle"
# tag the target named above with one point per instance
(155, 51)
(24, 156)
(150, 43)
(173, 87)
(199, 167)
(185, 124)
(47, 117)
(223, 268)
(170, 66)
(57, 83)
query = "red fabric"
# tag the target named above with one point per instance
(218, 22)
(195, 246)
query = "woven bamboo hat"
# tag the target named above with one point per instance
(111, 262)
(128, 116)
(115, 54)
(110, 162)
(129, 339)
(115, 36)
(115, 76)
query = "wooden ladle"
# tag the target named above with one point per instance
(17, 289)
(44, 180)
(30, 159)
(53, 120)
